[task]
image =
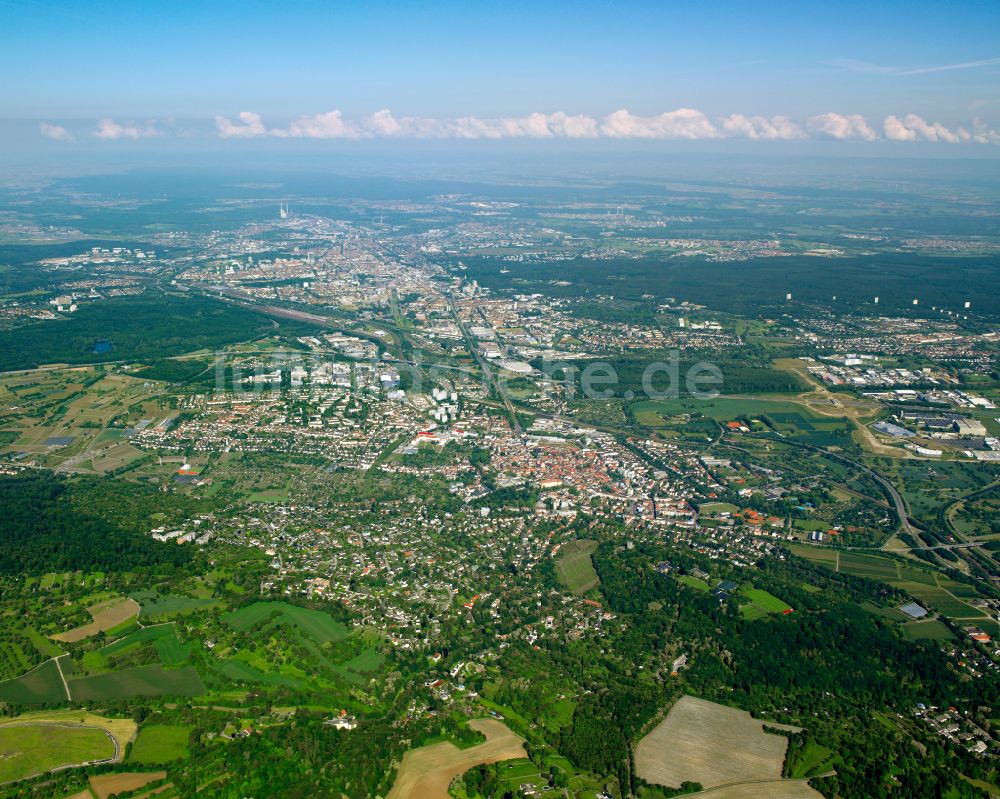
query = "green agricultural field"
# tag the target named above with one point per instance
(153, 604)
(575, 568)
(824, 556)
(366, 662)
(930, 588)
(140, 681)
(243, 672)
(41, 685)
(163, 637)
(171, 651)
(30, 749)
(140, 636)
(160, 743)
(319, 626)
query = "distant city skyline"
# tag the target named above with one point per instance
(892, 72)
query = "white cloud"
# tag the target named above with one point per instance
(383, 123)
(109, 130)
(330, 125)
(895, 130)
(912, 127)
(775, 128)
(684, 123)
(573, 127)
(249, 126)
(981, 134)
(56, 132)
(842, 126)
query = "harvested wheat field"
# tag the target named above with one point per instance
(106, 615)
(107, 784)
(712, 744)
(426, 773)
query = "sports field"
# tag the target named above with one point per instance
(426, 773)
(575, 568)
(693, 582)
(701, 741)
(762, 604)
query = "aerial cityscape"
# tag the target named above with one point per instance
(481, 449)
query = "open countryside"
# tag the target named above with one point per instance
(710, 744)
(427, 772)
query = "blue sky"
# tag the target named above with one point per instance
(168, 69)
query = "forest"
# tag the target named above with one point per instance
(759, 285)
(53, 524)
(150, 326)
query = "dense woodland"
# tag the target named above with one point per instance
(52, 524)
(150, 326)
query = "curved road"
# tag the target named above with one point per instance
(902, 512)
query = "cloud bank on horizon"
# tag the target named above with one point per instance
(682, 124)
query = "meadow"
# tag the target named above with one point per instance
(27, 748)
(575, 568)
(319, 626)
(160, 743)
